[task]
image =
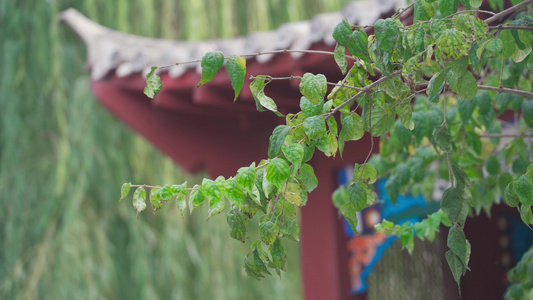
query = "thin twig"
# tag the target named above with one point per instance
(450, 175)
(369, 129)
(260, 53)
(269, 78)
(501, 72)
(470, 10)
(343, 82)
(492, 89)
(398, 14)
(158, 187)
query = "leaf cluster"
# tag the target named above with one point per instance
(449, 87)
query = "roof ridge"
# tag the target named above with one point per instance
(110, 50)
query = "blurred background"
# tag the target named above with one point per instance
(63, 158)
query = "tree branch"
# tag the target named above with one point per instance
(501, 27)
(362, 92)
(505, 90)
(508, 11)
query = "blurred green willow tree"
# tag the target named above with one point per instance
(62, 234)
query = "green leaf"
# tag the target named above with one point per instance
(328, 144)
(387, 32)
(503, 100)
(381, 121)
(456, 266)
(358, 196)
(308, 178)
(504, 179)
(457, 243)
(530, 63)
(461, 179)
(466, 4)
(403, 174)
(466, 108)
(436, 84)
(294, 154)
(483, 101)
(448, 7)
(421, 228)
(356, 41)
(236, 67)
(395, 88)
(526, 215)
(443, 138)
(277, 251)
(405, 114)
(293, 194)
(524, 189)
(365, 172)
(452, 204)
(234, 192)
(520, 54)
(165, 193)
(246, 177)
(313, 87)
(352, 129)
(155, 199)
(211, 63)
(269, 189)
(125, 190)
(392, 189)
(214, 192)
(510, 45)
(180, 192)
(249, 208)
(516, 102)
(289, 228)
(475, 3)
(315, 127)
(467, 86)
(238, 223)
(255, 267)
(153, 84)
(268, 231)
(494, 47)
(340, 58)
(452, 44)
(493, 165)
(527, 112)
(309, 108)
(276, 141)
(278, 172)
(139, 199)
(340, 197)
(257, 87)
(509, 195)
(196, 198)
(349, 212)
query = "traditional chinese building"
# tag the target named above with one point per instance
(203, 129)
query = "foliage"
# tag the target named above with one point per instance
(62, 235)
(471, 73)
